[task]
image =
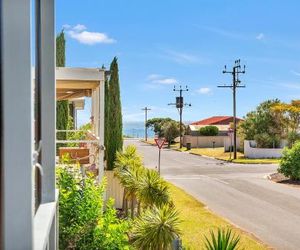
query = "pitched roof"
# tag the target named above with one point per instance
(214, 120)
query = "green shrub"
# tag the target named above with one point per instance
(83, 224)
(223, 240)
(264, 140)
(290, 162)
(78, 135)
(293, 137)
(209, 131)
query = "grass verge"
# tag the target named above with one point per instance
(218, 153)
(197, 221)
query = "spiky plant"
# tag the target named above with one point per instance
(129, 157)
(153, 190)
(130, 180)
(129, 169)
(222, 240)
(156, 229)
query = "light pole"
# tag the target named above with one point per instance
(236, 70)
(146, 119)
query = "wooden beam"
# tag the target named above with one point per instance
(76, 84)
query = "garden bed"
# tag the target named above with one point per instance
(280, 178)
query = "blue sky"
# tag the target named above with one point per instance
(162, 43)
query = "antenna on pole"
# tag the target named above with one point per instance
(180, 105)
(236, 83)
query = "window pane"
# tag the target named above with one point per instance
(1, 130)
(36, 41)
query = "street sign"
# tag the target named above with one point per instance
(160, 142)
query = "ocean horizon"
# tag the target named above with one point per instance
(136, 130)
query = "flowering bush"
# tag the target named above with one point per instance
(83, 223)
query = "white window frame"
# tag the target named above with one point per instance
(21, 228)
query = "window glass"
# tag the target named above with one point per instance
(1, 130)
(36, 42)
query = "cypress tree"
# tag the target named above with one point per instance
(62, 107)
(106, 115)
(114, 125)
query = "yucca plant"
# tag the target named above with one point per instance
(130, 181)
(223, 240)
(128, 169)
(129, 157)
(156, 229)
(152, 189)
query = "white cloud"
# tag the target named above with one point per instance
(166, 81)
(67, 26)
(79, 32)
(79, 27)
(153, 77)
(260, 36)
(159, 79)
(204, 91)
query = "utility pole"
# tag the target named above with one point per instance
(179, 105)
(236, 83)
(146, 109)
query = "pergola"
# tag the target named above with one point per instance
(73, 84)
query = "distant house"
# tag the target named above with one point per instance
(223, 123)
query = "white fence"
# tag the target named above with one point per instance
(250, 151)
(114, 189)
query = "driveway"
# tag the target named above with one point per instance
(240, 193)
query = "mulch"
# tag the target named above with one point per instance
(280, 178)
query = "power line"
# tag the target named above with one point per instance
(146, 109)
(236, 83)
(179, 105)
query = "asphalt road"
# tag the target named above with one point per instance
(237, 192)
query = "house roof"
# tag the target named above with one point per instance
(216, 120)
(74, 83)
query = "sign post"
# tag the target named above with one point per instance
(159, 142)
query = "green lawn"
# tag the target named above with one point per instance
(219, 153)
(197, 221)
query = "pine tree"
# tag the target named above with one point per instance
(62, 107)
(114, 128)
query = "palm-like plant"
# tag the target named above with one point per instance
(156, 229)
(152, 190)
(129, 157)
(224, 240)
(129, 169)
(130, 181)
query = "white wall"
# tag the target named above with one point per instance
(257, 153)
(229, 142)
(207, 141)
